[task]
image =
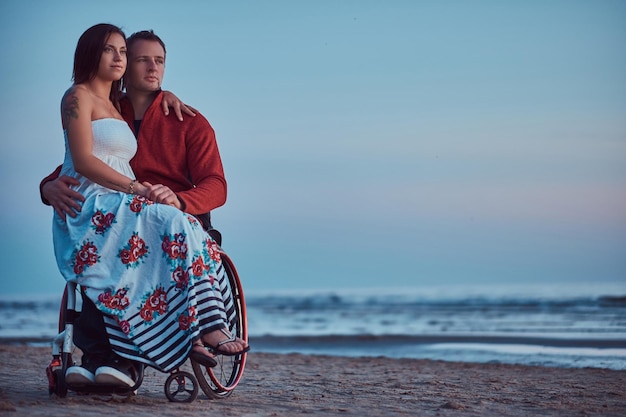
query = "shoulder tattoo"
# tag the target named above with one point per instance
(69, 107)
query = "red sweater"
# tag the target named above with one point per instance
(181, 155)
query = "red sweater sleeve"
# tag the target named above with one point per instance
(53, 176)
(206, 173)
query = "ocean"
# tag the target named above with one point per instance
(547, 325)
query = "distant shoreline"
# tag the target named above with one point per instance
(355, 340)
(341, 340)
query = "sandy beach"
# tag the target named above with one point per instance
(295, 385)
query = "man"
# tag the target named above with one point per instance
(180, 163)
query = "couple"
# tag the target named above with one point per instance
(132, 202)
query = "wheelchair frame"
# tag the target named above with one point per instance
(180, 386)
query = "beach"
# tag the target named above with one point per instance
(299, 385)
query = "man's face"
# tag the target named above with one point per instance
(146, 66)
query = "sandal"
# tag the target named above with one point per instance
(203, 357)
(215, 349)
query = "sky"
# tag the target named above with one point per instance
(366, 144)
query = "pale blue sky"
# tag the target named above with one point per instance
(366, 143)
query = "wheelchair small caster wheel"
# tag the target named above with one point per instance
(181, 387)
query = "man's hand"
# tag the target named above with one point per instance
(170, 100)
(61, 197)
(162, 194)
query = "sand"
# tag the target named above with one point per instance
(304, 385)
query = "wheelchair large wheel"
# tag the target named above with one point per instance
(221, 380)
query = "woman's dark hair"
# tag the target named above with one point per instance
(88, 53)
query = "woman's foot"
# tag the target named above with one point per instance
(201, 355)
(222, 342)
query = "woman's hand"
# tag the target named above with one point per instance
(170, 100)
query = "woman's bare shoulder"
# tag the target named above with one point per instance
(75, 100)
(78, 90)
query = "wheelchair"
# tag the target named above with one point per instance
(180, 386)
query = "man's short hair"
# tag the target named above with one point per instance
(144, 35)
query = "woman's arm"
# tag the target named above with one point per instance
(76, 110)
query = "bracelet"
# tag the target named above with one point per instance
(131, 187)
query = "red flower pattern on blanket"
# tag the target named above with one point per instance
(101, 222)
(124, 326)
(134, 252)
(85, 256)
(198, 267)
(214, 250)
(154, 305)
(180, 277)
(137, 203)
(175, 247)
(118, 301)
(186, 319)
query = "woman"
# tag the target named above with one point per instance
(150, 268)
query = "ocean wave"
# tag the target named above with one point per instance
(461, 322)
